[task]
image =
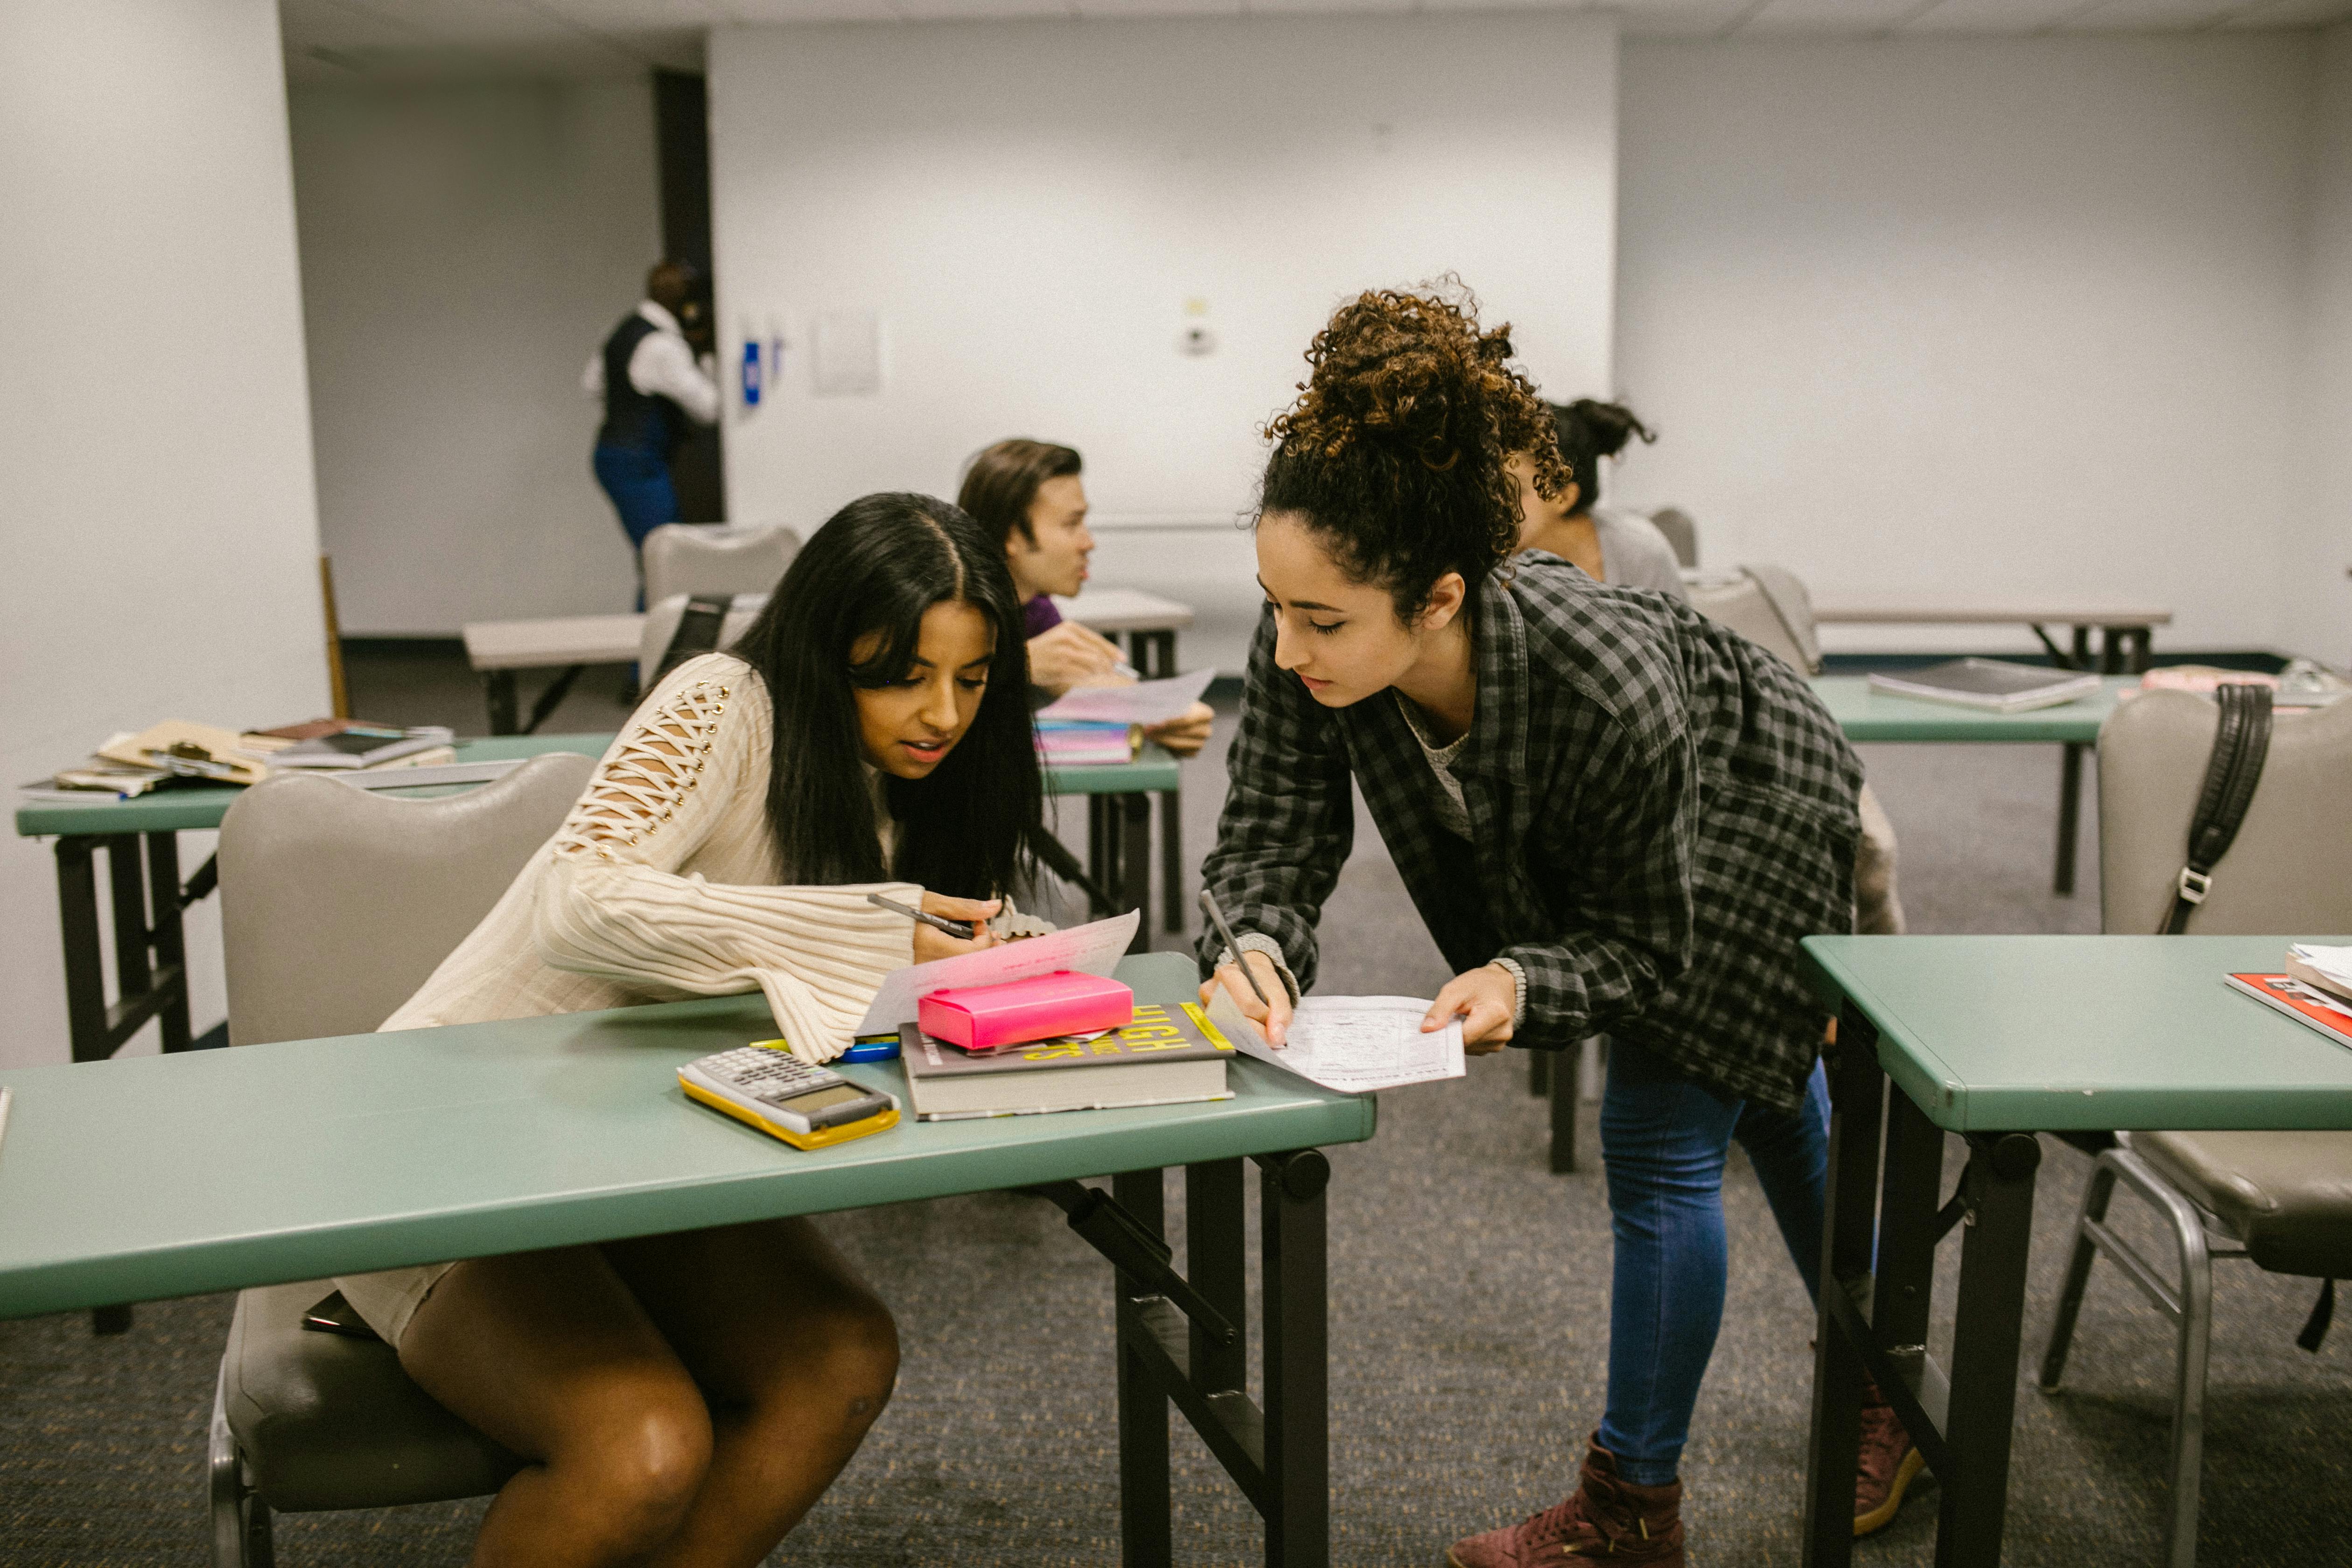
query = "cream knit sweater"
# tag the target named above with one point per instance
(660, 886)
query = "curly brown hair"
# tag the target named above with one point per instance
(1395, 452)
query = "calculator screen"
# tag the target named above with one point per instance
(823, 1098)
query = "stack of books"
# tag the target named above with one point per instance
(1077, 742)
(2316, 988)
(1168, 1056)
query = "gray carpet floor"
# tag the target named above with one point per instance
(1469, 1296)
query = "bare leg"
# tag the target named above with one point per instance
(795, 1356)
(550, 1354)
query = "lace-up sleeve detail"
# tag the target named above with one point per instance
(646, 781)
(615, 902)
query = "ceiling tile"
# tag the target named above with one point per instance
(1846, 17)
(333, 25)
(469, 21)
(2151, 15)
(982, 10)
(1505, 6)
(758, 11)
(2292, 14)
(1111, 10)
(638, 16)
(1681, 19)
(1295, 7)
(2009, 16)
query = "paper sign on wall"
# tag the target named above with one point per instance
(848, 353)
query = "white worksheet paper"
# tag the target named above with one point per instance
(1141, 702)
(1358, 1044)
(1093, 949)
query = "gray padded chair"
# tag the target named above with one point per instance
(2281, 1200)
(336, 904)
(1769, 606)
(1681, 530)
(716, 558)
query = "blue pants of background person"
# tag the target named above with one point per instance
(1663, 1139)
(637, 480)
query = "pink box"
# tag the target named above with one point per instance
(990, 1017)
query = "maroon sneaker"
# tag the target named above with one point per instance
(1605, 1520)
(1888, 1465)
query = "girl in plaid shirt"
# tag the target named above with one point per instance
(1613, 815)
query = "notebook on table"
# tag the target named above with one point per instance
(1992, 684)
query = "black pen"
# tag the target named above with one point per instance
(963, 930)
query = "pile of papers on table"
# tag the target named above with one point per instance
(135, 763)
(1094, 725)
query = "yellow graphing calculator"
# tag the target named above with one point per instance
(775, 1092)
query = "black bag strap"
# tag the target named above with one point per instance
(2241, 742)
(699, 629)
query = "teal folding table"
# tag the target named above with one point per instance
(1997, 1038)
(1866, 715)
(155, 1176)
(139, 839)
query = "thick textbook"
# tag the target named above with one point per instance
(1989, 683)
(1168, 1056)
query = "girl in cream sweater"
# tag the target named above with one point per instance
(685, 1399)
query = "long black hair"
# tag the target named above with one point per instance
(1587, 431)
(876, 566)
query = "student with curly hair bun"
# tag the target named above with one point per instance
(1613, 815)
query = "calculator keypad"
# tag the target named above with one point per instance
(769, 1075)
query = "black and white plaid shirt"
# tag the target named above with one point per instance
(1659, 809)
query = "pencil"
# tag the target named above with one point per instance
(1225, 935)
(961, 929)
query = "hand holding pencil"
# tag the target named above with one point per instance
(1252, 979)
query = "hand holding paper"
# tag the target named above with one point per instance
(1145, 702)
(1357, 1044)
(1093, 949)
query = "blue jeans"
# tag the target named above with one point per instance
(1663, 1139)
(637, 480)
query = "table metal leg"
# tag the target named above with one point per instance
(1135, 864)
(1145, 1528)
(1987, 1323)
(1216, 1259)
(1832, 1451)
(1102, 853)
(499, 695)
(170, 947)
(2070, 816)
(1298, 1360)
(1171, 863)
(85, 964)
(1566, 1092)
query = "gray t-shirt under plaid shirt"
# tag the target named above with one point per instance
(1659, 810)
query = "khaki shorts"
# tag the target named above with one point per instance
(386, 1301)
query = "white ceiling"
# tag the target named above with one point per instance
(337, 39)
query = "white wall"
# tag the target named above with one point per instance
(162, 530)
(1030, 206)
(2000, 316)
(465, 246)
(2314, 584)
